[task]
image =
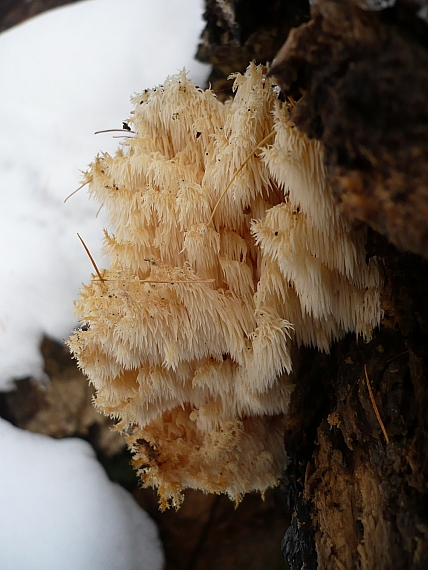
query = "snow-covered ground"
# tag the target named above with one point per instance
(64, 75)
(59, 511)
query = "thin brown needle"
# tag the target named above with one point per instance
(73, 193)
(170, 281)
(92, 259)
(115, 131)
(376, 411)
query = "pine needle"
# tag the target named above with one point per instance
(99, 210)
(75, 191)
(170, 282)
(92, 259)
(397, 356)
(376, 411)
(115, 131)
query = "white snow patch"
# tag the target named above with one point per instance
(58, 510)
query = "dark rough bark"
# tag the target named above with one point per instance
(364, 80)
(368, 499)
(13, 12)
(298, 545)
(361, 82)
(239, 31)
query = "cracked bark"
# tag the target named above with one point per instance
(364, 80)
(360, 78)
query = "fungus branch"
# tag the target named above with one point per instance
(246, 161)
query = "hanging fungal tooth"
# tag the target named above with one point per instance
(192, 338)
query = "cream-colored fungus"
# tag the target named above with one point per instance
(192, 337)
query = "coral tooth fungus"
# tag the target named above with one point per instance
(194, 332)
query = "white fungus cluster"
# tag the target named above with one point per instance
(191, 335)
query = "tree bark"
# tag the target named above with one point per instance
(13, 12)
(359, 75)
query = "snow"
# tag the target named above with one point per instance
(62, 512)
(66, 74)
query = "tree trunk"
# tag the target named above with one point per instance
(357, 481)
(13, 12)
